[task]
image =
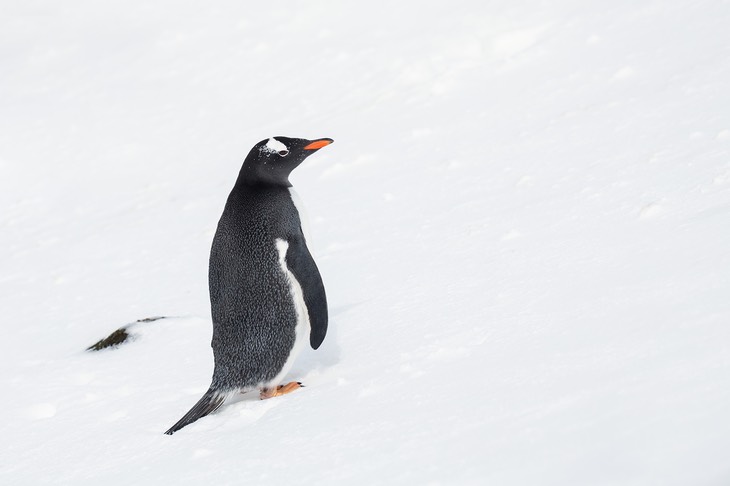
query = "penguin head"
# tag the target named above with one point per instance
(271, 161)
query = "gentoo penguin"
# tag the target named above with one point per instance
(266, 293)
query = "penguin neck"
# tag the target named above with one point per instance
(254, 177)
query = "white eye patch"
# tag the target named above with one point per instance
(275, 146)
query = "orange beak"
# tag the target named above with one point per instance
(318, 144)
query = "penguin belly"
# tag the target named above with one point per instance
(302, 328)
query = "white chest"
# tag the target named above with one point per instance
(303, 327)
(302, 213)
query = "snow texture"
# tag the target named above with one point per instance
(523, 228)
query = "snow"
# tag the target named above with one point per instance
(522, 228)
(273, 145)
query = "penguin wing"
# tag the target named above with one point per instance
(300, 262)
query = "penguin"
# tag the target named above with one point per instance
(267, 298)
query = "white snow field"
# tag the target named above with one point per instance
(523, 227)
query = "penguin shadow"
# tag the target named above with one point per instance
(329, 353)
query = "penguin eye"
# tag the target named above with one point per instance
(283, 153)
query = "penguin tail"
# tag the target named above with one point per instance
(209, 403)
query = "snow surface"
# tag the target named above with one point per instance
(523, 227)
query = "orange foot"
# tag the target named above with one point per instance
(279, 390)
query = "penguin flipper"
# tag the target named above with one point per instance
(300, 262)
(210, 402)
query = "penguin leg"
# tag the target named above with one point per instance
(279, 390)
